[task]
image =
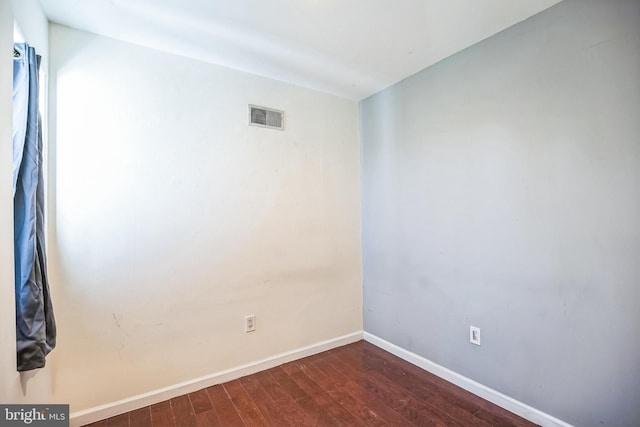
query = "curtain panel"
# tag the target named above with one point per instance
(35, 323)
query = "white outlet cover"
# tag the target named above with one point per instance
(250, 323)
(474, 335)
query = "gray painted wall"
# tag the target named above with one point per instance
(501, 189)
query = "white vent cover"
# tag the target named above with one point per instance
(266, 117)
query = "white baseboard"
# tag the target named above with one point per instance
(522, 409)
(140, 401)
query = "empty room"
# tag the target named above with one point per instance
(320, 212)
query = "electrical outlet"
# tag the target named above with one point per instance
(474, 335)
(250, 323)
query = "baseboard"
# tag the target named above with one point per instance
(510, 404)
(140, 401)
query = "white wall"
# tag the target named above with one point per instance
(33, 25)
(173, 219)
(501, 189)
(33, 386)
(8, 385)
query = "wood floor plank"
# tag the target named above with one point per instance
(287, 404)
(264, 402)
(200, 401)
(499, 417)
(321, 397)
(318, 415)
(335, 387)
(439, 385)
(162, 415)
(140, 417)
(291, 387)
(208, 419)
(376, 402)
(245, 406)
(420, 410)
(121, 420)
(443, 395)
(183, 412)
(422, 383)
(429, 395)
(225, 409)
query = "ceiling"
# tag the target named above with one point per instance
(350, 48)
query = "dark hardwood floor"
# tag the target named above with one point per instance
(355, 385)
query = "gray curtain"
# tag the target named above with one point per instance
(35, 324)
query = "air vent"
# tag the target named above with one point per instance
(266, 117)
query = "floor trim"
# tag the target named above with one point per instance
(140, 401)
(510, 404)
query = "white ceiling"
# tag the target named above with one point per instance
(351, 48)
